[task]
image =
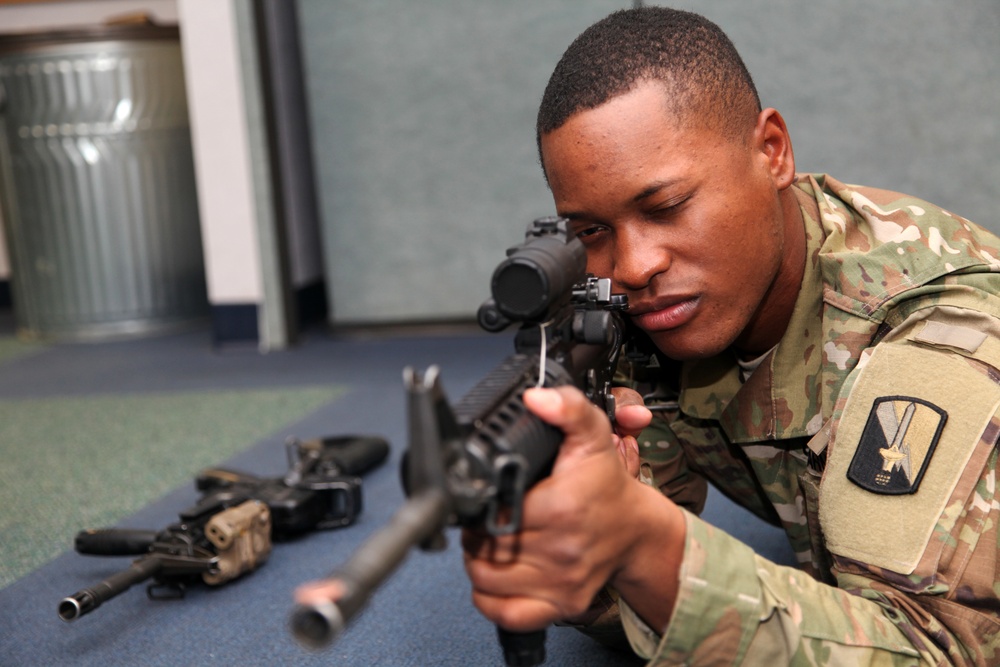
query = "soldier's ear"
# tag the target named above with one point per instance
(772, 139)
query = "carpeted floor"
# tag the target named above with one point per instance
(125, 420)
(90, 461)
(11, 347)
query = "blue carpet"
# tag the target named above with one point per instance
(422, 617)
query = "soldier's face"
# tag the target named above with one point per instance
(688, 223)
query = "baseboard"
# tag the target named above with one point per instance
(234, 323)
(237, 322)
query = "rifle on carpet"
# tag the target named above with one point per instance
(471, 464)
(230, 530)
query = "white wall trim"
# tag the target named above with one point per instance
(222, 162)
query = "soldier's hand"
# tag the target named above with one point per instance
(319, 592)
(583, 526)
(631, 416)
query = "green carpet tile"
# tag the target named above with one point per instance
(73, 463)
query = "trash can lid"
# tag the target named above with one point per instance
(131, 27)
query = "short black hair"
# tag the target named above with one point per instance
(703, 75)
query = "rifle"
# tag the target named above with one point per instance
(230, 530)
(321, 489)
(471, 464)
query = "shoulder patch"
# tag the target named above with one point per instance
(896, 445)
(910, 443)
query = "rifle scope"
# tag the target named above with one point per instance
(537, 277)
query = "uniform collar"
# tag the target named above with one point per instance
(781, 399)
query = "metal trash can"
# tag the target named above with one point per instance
(97, 183)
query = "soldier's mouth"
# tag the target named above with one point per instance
(665, 314)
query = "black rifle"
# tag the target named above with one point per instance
(472, 464)
(321, 489)
(229, 531)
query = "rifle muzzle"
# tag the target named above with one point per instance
(88, 599)
(316, 626)
(76, 605)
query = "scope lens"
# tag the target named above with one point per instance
(521, 290)
(538, 277)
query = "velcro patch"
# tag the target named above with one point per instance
(878, 520)
(896, 445)
(939, 333)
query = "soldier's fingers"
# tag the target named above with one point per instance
(587, 429)
(522, 596)
(626, 396)
(497, 550)
(628, 450)
(516, 614)
(631, 419)
(319, 592)
(631, 414)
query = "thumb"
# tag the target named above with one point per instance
(631, 413)
(586, 427)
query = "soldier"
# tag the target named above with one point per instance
(828, 355)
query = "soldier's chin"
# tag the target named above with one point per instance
(685, 345)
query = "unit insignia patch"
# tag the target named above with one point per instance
(896, 445)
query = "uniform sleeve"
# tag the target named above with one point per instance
(908, 503)
(735, 607)
(909, 510)
(664, 461)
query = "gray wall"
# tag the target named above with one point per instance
(900, 94)
(423, 116)
(423, 123)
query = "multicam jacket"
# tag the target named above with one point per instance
(869, 434)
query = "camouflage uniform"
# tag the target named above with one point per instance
(868, 434)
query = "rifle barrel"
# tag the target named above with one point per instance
(423, 515)
(89, 599)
